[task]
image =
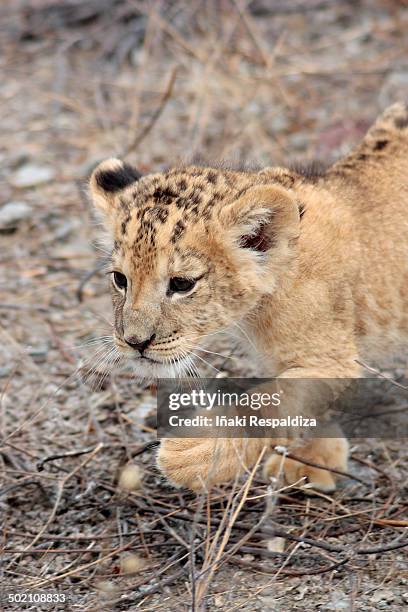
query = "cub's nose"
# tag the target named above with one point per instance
(138, 344)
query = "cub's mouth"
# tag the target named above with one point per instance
(146, 357)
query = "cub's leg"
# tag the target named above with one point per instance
(197, 463)
(312, 400)
(330, 452)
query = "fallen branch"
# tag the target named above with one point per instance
(331, 547)
(85, 451)
(289, 572)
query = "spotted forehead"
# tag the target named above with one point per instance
(168, 203)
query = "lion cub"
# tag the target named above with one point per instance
(314, 269)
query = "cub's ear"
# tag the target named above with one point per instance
(108, 179)
(263, 218)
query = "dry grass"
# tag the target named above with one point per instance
(161, 81)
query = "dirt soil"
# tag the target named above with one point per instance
(266, 82)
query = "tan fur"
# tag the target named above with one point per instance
(331, 287)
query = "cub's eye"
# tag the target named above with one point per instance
(181, 285)
(120, 280)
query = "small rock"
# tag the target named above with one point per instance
(267, 603)
(5, 371)
(382, 595)
(12, 213)
(32, 175)
(302, 592)
(276, 545)
(339, 601)
(38, 353)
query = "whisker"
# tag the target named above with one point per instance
(199, 348)
(204, 336)
(204, 361)
(190, 367)
(245, 334)
(112, 358)
(113, 361)
(101, 361)
(102, 318)
(91, 342)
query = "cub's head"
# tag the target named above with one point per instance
(194, 250)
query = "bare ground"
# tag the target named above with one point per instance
(269, 82)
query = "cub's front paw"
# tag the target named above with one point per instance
(330, 452)
(199, 463)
